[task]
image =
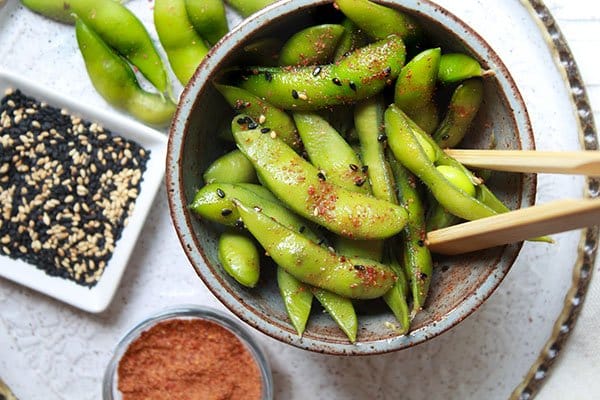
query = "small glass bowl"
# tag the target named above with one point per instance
(109, 386)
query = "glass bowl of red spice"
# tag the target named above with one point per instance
(188, 352)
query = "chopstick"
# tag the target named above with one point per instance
(515, 226)
(554, 162)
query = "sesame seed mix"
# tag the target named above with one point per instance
(67, 188)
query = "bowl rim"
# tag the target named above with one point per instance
(181, 217)
(187, 311)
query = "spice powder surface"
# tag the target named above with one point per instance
(189, 359)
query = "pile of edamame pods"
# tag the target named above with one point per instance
(112, 40)
(339, 170)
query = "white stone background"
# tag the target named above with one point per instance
(49, 350)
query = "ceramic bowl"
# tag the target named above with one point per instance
(460, 284)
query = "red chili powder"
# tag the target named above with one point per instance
(189, 359)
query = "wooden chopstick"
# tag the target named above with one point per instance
(515, 226)
(554, 162)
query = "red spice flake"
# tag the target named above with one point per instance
(322, 200)
(368, 275)
(186, 360)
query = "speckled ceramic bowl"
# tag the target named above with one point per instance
(460, 284)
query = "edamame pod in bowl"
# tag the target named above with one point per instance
(306, 191)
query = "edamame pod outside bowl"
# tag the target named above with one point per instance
(460, 284)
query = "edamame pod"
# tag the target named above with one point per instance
(239, 257)
(416, 256)
(355, 278)
(380, 21)
(58, 10)
(396, 297)
(274, 118)
(185, 49)
(297, 299)
(248, 7)
(368, 119)
(115, 81)
(263, 51)
(408, 151)
(302, 188)
(361, 74)
(208, 18)
(456, 67)
(341, 310)
(415, 87)
(438, 217)
(232, 167)
(462, 110)
(330, 153)
(311, 46)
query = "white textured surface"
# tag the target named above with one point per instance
(51, 351)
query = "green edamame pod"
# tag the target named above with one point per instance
(416, 256)
(438, 217)
(232, 167)
(380, 21)
(239, 256)
(262, 51)
(330, 153)
(297, 299)
(311, 46)
(351, 39)
(115, 81)
(462, 110)
(368, 119)
(185, 49)
(248, 7)
(58, 10)
(361, 74)
(341, 310)
(208, 18)
(415, 87)
(396, 297)
(408, 151)
(116, 25)
(302, 188)
(274, 118)
(456, 67)
(355, 278)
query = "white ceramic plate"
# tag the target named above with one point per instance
(97, 298)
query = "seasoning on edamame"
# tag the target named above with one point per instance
(185, 49)
(363, 73)
(462, 110)
(311, 46)
(115, 81)
(415, 88)
(355, 278)
(297, 183)
(208, 18)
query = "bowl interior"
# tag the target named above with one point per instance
(460, 284)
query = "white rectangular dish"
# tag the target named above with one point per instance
(97, 298)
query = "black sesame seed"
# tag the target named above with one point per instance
(359, 182)
(352, 85)
(239, 224)
(252, 125)
(445, 137)
(241, 121)
(316, 71)
(382, 138)
(220, 193)
(268, 76)
(226, 211)
(359, 267)
(321, 176)
(387, 71)
(337, 81)
(295, 94)
(421, 243)
(354, 167)
(265, 130)
(346, 54)
(365, 169)
(422, 275)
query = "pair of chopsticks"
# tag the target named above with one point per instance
(518, 225)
